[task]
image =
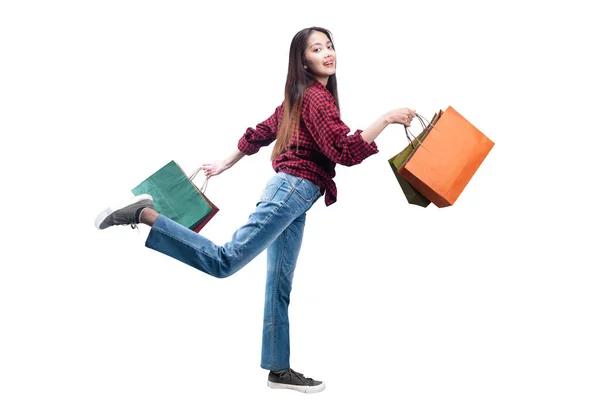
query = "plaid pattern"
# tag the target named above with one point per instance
(322, 142)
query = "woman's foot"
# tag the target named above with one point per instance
(127, 213)
(290, 379)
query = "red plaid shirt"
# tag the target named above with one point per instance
(323, 142)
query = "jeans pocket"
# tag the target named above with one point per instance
(269, 192)
(307, 190)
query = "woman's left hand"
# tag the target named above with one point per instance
(214, 168)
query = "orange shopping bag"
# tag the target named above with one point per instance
(447, 158)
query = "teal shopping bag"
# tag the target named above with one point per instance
(176, 197)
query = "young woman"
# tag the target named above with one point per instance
(310, 140)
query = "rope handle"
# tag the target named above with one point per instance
(408, 132)
(204, 184)
(429, 126)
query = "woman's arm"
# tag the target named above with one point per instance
(332, 135)
(398, 116)
(252, 140)
(216, 167)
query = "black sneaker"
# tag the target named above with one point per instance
(127, 213)
(290, 379)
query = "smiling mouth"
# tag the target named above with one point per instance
(329, 64)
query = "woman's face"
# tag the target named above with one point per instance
(320, 56)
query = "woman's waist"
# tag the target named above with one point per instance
(317, 174)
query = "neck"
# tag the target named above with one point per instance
(323, 80)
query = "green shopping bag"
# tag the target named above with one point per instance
(412, 195)
(176, 197)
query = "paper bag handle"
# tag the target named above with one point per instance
(204, 184)
(408, 132)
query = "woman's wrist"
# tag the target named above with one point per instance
(386, 119)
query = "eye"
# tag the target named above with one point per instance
(330, 47)
(317, 49)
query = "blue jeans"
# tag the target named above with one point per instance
(277, 224)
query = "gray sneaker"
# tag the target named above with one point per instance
(290, 379)
(127, 213)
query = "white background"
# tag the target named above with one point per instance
(495, 297)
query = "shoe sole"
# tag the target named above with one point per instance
(104, 214)
(303, 389)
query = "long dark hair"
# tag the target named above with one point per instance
(298, 80)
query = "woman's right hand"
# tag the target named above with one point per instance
(214, 168)
(402, 116)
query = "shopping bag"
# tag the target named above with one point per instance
(410, 192)
(214, 208)
(177, 197)
(446, 159)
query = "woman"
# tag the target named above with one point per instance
(310, 140)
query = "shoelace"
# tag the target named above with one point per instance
(298, 375)
(134, 225)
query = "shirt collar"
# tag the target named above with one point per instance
(317, 84)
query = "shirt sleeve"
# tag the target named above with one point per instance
(263, 135)
(331, 133)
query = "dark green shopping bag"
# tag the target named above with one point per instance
(176, 197)
(412, 195)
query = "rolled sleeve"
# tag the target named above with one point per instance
(263, 135)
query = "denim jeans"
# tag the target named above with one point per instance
(277, 224)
